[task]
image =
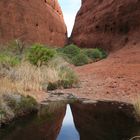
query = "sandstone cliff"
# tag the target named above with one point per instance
(32, 21)
(109, 24)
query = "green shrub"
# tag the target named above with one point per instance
(80, 59)
(9, 60)
(70, 51)
(39, 55)
(93, 53)
(77, 56)
(104, 53)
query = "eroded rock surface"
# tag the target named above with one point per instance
(32, 21)
(109, 24)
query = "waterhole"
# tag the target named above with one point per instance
(82, 120)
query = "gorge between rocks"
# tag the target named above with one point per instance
(112, 84)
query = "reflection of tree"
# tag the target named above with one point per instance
(44, 126)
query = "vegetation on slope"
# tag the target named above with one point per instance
(80, 57)
(26, 72)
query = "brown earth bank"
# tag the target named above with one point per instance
(115, 78)
(109, 24)
(32, 21)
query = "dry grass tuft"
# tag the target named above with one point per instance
(7, 86)
(54, 68)
(28, 79)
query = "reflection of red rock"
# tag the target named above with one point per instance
(104, 121)
(107, 23)
(32, 21)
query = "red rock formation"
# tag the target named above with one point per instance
(32, 21)
(109, 24)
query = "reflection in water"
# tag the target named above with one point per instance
(100, 121)
(44, 126)
(68, 130)
(105, 121)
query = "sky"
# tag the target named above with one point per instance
(70, 9)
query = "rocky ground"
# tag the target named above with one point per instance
(115, 78)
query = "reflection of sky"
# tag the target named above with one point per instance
(68, 130)
(69, 8)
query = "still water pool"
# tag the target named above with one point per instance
(76, 121)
